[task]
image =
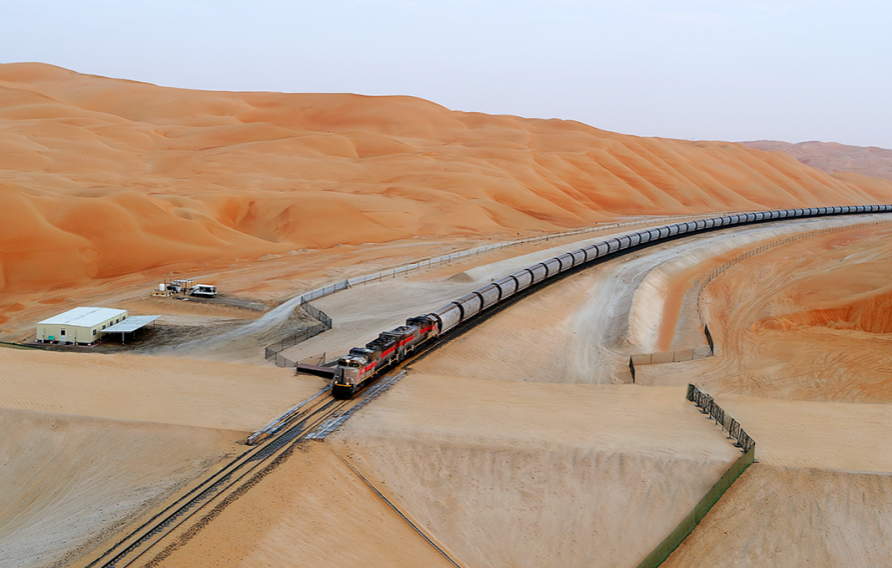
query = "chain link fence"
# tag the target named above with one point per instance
(708, 406)
(700, 352)
(692, 519)
(393, 273)
(273, 351)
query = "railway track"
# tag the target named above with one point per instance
(319, 415)
(181, 514)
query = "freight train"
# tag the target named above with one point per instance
(363, 364)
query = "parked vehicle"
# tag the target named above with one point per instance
(203, 290)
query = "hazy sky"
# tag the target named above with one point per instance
(790, 70)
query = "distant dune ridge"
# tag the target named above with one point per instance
(834, 158)
(102, 177)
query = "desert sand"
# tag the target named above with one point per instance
(486, 433)
(781, 516)
(311, 511)
(104, 178)
(149, 389)
(521, 443)
(69, 482)
(584, 475)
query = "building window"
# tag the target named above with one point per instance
(94, 332)
(61, 332)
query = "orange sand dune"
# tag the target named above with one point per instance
(101, 177)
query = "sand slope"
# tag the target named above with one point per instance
(69, 480)
(523, 474)
(103, 177)
(149, 389)
(311, 511)
(779, 516)
(804, 321)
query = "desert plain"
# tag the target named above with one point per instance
(523, 442)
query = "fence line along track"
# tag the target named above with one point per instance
(273, 350)
(344, 284)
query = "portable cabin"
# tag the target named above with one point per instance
(78, 326)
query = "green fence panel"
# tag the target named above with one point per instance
(690, 522)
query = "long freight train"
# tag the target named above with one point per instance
(365, 363)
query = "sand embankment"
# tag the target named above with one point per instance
(69, 482)
(395, 300)
(498, 474)
(799, 322)
(802, 364)
(584, 328)
(101, 178)
(785, 516)
(310, 511)
(149, 389)
(510, 474)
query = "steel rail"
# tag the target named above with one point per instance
(220, 482)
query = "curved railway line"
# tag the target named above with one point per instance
(365, 364)
(453, 320)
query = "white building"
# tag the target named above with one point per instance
(80, 325)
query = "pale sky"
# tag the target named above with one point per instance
(791, 70)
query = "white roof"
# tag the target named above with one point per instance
(84, 317)
(130, 324)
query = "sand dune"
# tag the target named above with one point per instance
(108, 183)
(103, 177)
(832, 157)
